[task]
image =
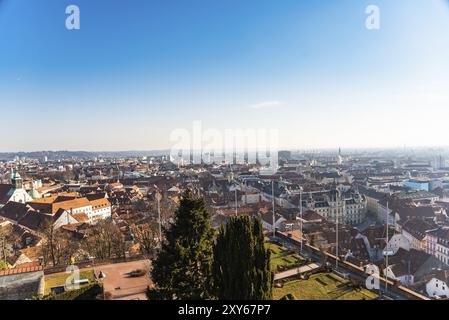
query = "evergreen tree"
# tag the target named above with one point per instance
(182, 269)
(241, 268)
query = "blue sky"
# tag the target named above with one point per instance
(138, 69)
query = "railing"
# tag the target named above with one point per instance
(403, 290)
(95, 262)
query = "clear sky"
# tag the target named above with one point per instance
(138, 69)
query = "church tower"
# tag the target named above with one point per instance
(16, 180)
(339, 157)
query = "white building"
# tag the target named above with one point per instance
(396, 242)
(14, 192)
(437, 285)
(349, 207)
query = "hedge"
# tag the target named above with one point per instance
(88, 292)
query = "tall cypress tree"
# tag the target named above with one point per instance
(241, 268)
(182, 269)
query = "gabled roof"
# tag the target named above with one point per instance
(71, 204)
(442, 235)
(36, 221)
(14, 210)
(96, 196)
(99, 203)
(311, 215)
(408, 262)
(268, 217)
(81, 217)
(4, 190)
(417, 227)
(408, 211)
(442, 275)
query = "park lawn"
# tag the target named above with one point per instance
(281, 256)
(58, 279)
(323, 286)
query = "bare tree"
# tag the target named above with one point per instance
(105, 241)
(146, 236)
(3, 251)
(58, 246)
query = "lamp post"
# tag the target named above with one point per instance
(158, 198)
(274, 214)
(336, 230)
(236, 210)
(387, 252)
(101, 277)
(300, 213)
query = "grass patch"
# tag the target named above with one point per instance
(331, 277)
(58, 279)
(282, 258)
(323, 286)
(320, 282)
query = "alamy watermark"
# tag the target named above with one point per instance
(372, 282)
(372, 21)
(72, 282)
(73, 20)
(239, 146)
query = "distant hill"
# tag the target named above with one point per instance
(56, 155)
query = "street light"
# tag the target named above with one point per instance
(158, 198)
(274, 214)
(300, 212)
(101, 277)
(337, 198)
(387, 254)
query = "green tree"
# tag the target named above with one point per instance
(182, 269)
(241, 268)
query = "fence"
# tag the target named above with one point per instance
(95, 262)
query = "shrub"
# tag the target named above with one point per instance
(88, 292)
(289, 296)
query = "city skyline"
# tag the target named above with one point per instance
(131, 75)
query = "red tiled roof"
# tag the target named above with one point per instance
(8, 272)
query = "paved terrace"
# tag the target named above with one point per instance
(120, 285)
(295, 271)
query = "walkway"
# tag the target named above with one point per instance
(295, 271)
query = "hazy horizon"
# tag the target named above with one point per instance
(295, 149)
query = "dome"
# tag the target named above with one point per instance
(34, 194)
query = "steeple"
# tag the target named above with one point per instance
(339, 157)
(16, 180)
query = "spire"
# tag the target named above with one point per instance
(339, 157)
(16, 179)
